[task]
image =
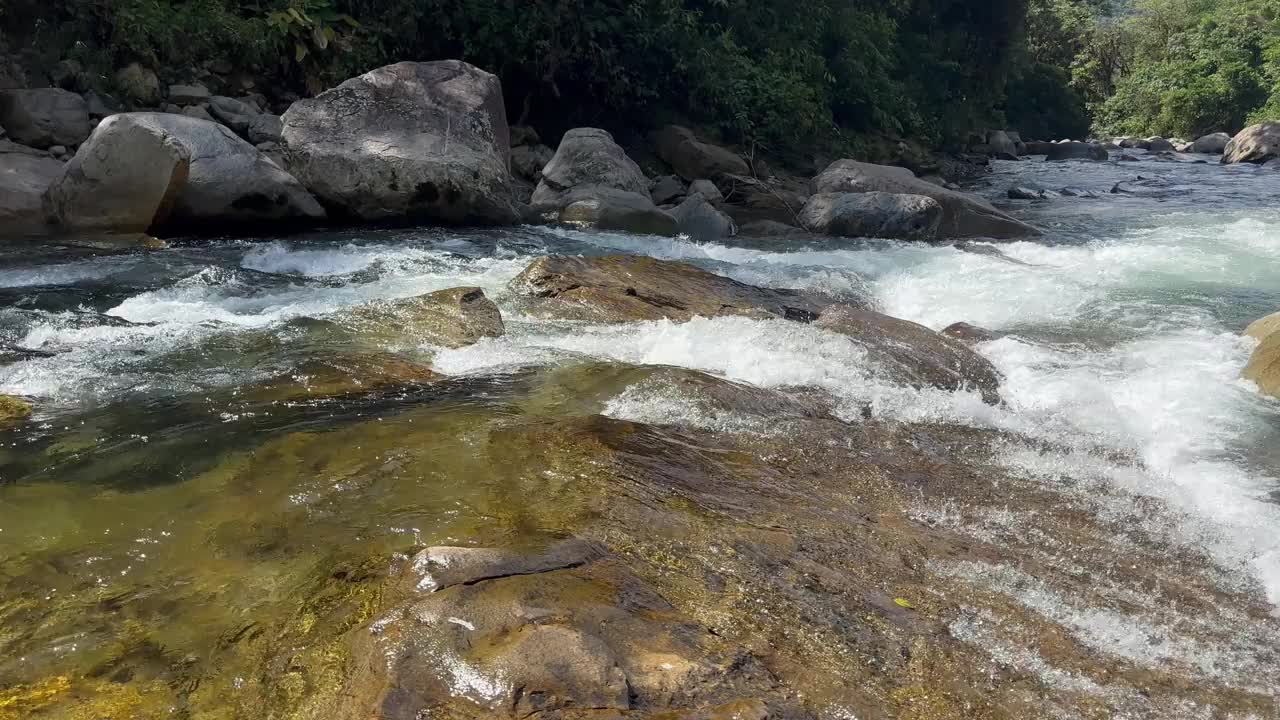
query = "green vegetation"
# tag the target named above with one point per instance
(763, 71)
(1164, 67)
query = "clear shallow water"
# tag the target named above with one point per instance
(1126, 319)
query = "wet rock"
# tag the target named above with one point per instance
(708, 190)
(1254, 144)
(694, 159)
(449, 318)
(587, 158)
(1261, 328)
(1213, 144)
(410, 141)
(1019, 192)
(1159, 144)
(605, 208)
(1079, 193)
(701, 221)
(770, 228)
(44, 117)
(963, 215)
(666, 189)
(1076, 151)
(988, 251)
(13, 410)
(1264, 365)
(23, 181)
(167, 172)
(913, 354)
(1152, 187)
(873, 215)
(341, 374)
(625, 288)
(970, 334)
(139, 85)
(188, 94)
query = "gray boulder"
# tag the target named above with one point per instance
(188, 94)
(1156, 143)
(1021, 192)
(963, 215)
(588, 157)
(527, 161)
(139, 85)
(666, 189)
(1131, 143)
(235, 114)
(1254, 144)
(100, 105)
(692, 158)
(605, 208)
(1020, 147)
(1074, 150)
(263, 129)
(708, 190)
(23, 180)
(1000, 145)
(1038, 147)
(161, 171)
(198, 112)
(701, 221)
(872, 214)
(1214, 144)
(44, 117)
(409, 141)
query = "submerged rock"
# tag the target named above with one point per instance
(872, 215)
(166, 172)
(13, 410)
(963, 215)
(449, 318)
(912, 354)
(1254, 144)
(413, 141)
(625, 288)
(340, 374)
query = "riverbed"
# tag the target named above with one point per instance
(160, 506)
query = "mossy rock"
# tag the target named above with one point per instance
(13, 410)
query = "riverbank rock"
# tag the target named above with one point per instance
(587, 158)
(591, 181)
(1254, 144)
(625, 288)
(44, 117)
(708, 190)
(413, 141)
(1002, 146)
(1260, 329)
(23, 181)
(1214, 144)
(694, 159)
(912, 354)
(189, 94)
(341, 374)
(701, 221)
(872, 215)
(666, 189)
(1159, 144)
(451, 318)
(13, 410)
(167, 172)
(1076, 151)
(963, 215)
(1264, 365)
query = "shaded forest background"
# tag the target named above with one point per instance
(770, 72)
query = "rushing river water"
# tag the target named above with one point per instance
(155, 505)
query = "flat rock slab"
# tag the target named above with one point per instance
(439, 568)
(625, 288)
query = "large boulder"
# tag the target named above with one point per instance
(44, 117)
(1132, 143)
(1156, 143)
(872, 214)
(1038, 147)
(139, 85)
(188, 94)
(409, 141)
(666, 189)
(161, 171)
(587, 158)
(1000, 145)
(913, 354)
(708, 190)
(701, 221)
(1214, 144)
(1254, 144)
(448, 318)
(23, 180)
(527, 161)
(963, 215)
(692, 158)
(624, 288)
(605, 208)
(1264, 365)
(1074, 150)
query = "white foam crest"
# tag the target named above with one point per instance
(284, 258)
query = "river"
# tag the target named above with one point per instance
(155, 506)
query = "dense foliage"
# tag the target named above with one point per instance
(762, 70)
(1167, 67)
